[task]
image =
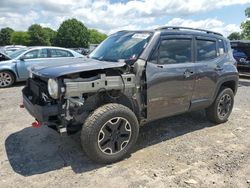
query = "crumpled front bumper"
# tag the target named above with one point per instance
(40, 113)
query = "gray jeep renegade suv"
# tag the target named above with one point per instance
(132, 78)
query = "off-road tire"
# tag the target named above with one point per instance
(212, 111)
(94, 124)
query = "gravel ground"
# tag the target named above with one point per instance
(181, 151)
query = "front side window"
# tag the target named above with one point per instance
(206, 50)
(31, 55)
(173, 51)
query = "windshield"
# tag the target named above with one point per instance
(121, 46)
(16, 53)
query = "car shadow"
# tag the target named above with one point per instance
(19, 84)
(35, 151)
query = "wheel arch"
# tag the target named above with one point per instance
(230, 82)
(124, 100)
(11, 71)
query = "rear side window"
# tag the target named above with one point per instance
(206, 50)
(43, 53)
(60, 53)
(173, 51)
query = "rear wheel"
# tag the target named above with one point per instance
(6, 79)
(221, 109)
(109, 133)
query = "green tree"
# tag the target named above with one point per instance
(247, 12)
(245, 26)
(95, 37)
(5, 36)
(20, 38)
(51, 34)
(38, 36)
(72, 34)
(235, 36)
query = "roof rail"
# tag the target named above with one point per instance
(187, 28)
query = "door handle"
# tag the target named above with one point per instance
(160, 66)
(188, 73)
(218, 68)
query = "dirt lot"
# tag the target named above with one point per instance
(181, 151)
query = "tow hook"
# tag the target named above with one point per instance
(36, 124)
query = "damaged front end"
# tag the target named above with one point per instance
(64, 103)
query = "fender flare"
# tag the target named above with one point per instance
(233, 78)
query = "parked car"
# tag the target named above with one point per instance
(132, 78)
(82, 51)
(16, 69)
(12, 48)
(241, 52)
(3, 56)
(92, 47)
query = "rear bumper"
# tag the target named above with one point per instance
(40, 113)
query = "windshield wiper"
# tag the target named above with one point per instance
(104, 59)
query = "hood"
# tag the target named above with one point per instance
(73, 66)
(7, 62)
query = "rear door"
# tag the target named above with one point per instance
(170, 77)
(209, 66)
(59, 55)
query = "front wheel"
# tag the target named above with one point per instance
(221, 109)
(109, 133)
(6, 79)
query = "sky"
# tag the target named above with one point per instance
(109, 16)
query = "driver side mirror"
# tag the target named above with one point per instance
(22, 58)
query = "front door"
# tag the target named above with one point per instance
(30, 59)
(170, 77)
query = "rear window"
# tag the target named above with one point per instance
(206, 50)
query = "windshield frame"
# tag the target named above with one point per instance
(120, 34)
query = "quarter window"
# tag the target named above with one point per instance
(173, 51)
(206, 50)
(221, 47)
